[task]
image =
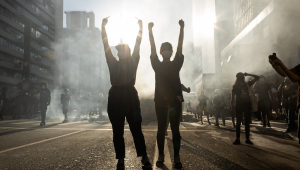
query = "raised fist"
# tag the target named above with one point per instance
(150, 25)
(140, 22)
(181, 23)
(105, 21)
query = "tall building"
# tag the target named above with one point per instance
(28, 35)
(274, 29)
(204, 18)
(84, 68)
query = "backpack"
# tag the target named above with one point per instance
(253, 99)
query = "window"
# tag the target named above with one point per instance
(45, 27)
(1, 41)
(38, 34)
(38, 11)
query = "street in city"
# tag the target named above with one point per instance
(85, 144)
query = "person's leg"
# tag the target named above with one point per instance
(291, 117)
(222, 111)
(299, 127)
(135, 120)
(168, 122)
(239, 118)
(217, 112)
(161, 114)
(43, 109)
(117, 122)
(247, 113)
(174, 120)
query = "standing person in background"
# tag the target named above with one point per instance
(45, 99)
(275, 101)
(1, 103)
(65, 101)
(168, 92)
(289, 100)
(123, 99)
(202, 98)
(293, 74)
(18, 105)
(195, 107)
(31, 104)
(240, 91)
(219, 104)
(279, 96)
(264, 103)
(4, 95)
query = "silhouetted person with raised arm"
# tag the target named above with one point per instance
(123, 100)
(168, 93)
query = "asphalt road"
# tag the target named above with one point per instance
(88, 145)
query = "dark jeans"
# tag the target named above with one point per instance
(243, 109)
(219, 112)
(134, 120)
(264, 106)
(43, 109)
(290, 111)
(162, 114)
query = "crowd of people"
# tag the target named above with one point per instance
(36, 102)
(250, 98)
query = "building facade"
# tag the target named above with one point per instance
(274, 30)
(84, 67)
(28, 34)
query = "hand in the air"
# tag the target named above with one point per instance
(105, 21)
(188, 90)
(150, 25)
(181, 23)
(140, 22)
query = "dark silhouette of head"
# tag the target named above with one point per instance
(43, 84)
(240, 78)
(166, 50)
(123, 51)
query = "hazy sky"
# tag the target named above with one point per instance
(164, 13)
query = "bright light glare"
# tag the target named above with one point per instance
(122, 28)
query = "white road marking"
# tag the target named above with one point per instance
(69, 123)
(18, 147)
(25, 122)
(168, 162)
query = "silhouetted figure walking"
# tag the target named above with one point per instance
(45, 99)
(123, 100)
(65, 101)
(168, 93)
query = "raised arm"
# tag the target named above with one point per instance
(284, 71)
(151, 38)
(108, 53)
(136, 51)
(181, 36)
(256, 78)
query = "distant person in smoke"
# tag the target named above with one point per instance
(240, 91)
(219, 106)
(45, 99)
(202, 99)
(275, 101)
(18, 105)
(31, 105)
(168, 92)
(289, 102)
(1, 104)
(293, 74)
(4, 94)
(263, 90)
(123, 100)
(65, 101)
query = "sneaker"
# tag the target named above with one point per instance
(120, 164)
(248, 141)
(66, 121)
(216, 124)
(268, 124)
(160, 161)
(201, 122)
(237, 142)
(177, 163)
(42, 124)
(145, 161)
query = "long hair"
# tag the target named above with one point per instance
(44, 83)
